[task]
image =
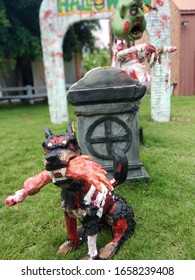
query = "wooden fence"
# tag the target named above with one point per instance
(29, 93)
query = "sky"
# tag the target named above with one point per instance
(103, 34)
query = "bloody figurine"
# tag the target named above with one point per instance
(87, 194)
(128, 25)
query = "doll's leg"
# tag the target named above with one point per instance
(92, 227)
(122, 224)
(72, 238)
(92, 246)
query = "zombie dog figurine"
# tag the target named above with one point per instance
(128, 25)
(87, 194)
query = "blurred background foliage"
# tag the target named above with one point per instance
(96, 58)
(20, 34)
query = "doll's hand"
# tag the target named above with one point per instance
(82, 168)
(167, 49)
(18, 197)
(151, 54)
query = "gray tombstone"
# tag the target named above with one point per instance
(106, 105)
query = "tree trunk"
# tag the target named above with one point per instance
(78, 66)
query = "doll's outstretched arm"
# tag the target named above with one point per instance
(146, 49)
(165, 50)
(31, 186)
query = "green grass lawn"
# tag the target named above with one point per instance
(164, 206)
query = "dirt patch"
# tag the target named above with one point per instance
(180, 119)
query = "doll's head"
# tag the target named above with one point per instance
(128, 21)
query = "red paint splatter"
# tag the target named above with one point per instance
(132, 56)
(160, 2)
(119, 229)
(59, 54)
(118, 167)
(47, 14)
(126, 27)
(158, 33)
(123, 72)
(58, 140)
(71, 225)
(113, 208)
(133, 75)
(52, 42)
(165, 18)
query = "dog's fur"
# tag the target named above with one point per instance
(87, 194)
(82, 201)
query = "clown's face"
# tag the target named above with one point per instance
(128, 21)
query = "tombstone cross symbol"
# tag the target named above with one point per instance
(115, 131)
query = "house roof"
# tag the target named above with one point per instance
(185, 5)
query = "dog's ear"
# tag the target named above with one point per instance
(70, 128)
(48, 133)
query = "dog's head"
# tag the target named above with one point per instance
(59, 149)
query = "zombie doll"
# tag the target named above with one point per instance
(128, 25)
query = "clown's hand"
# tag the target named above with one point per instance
(18, 197)
(83, 168)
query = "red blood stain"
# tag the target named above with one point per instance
(123, 72)
(160, 2)
(126, 27)
(47, 14)
(132, 56)
(158, 33)
(118, 167)
(59, 54)
(119, 229)
(133, 75)
(164, 18)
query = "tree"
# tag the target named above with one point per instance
(79, 36)
(20, 37)
(96, 58)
